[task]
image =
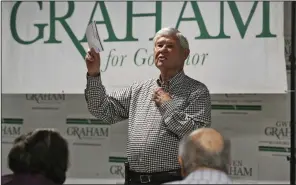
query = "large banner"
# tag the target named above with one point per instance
(236, 47)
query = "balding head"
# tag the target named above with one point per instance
(209, 139)
(203, 148)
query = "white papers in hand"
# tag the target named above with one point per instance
(93, 38)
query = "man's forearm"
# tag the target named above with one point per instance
(95, 94)
(109, 108)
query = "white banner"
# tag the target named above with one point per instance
(242, 166)
(89, 145)
(11, 128)
(273, 164)
(257, 126)
(89, 139)
(236, 47)
(44, 111)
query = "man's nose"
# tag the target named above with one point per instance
(163, 48)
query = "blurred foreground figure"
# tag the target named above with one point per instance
(204, 156)
(38, 158)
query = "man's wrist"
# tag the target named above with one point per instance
(93, 74)
(93, 80)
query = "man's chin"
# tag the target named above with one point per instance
(160, 65)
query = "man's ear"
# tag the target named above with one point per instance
(180, 161)
(186, 53)
(181, 164)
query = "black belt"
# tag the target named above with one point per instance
(157, 177)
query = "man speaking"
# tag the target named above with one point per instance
(160, 111)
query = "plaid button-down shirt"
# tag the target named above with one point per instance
(153, 132)
(208, 176)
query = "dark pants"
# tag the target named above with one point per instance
(153, 178)
(157, 182)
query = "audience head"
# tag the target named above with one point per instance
(203, 148)
(43, 151)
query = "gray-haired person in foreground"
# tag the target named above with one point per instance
(160, 110)
(204, 158)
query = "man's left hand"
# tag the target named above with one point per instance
(160, 96)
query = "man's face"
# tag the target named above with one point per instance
(168, 54)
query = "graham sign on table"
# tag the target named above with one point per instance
(236, 47)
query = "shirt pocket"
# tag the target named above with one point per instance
(180, 102)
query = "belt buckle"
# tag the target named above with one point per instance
(145, 179)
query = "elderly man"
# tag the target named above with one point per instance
(160, 111)
(204, 156)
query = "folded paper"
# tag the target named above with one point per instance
(93, 38)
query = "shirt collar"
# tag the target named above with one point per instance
(207, 174)
(178, 78)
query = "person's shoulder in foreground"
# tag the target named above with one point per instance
(203, 157)
(205, 177)
(26, 179)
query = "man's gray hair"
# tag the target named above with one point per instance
(194, 156)
(169, 31)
